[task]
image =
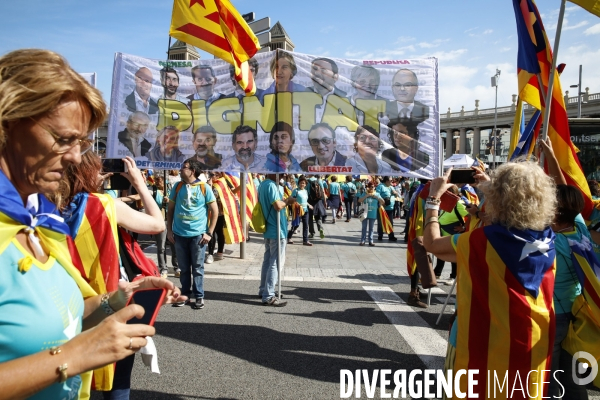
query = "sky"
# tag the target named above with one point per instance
(471, 39)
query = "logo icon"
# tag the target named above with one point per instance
(583, 367)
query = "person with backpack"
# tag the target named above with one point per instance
(301, 196)
(334, 197)
(317, 212)
(272, 205)
(190, 205)
(349, 195)
(360, 191)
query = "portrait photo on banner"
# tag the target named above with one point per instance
(310, 114)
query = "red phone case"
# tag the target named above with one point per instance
(448, 200)
(157, 309)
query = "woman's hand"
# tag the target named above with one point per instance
(480, 177)
(440, 184)
(126, 290)
(111, 340)
(133, 174)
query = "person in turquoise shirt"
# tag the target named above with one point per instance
(370, 202)
(301, 196)
(334, 197)
(349, 189)
(386, 191)
(187, 226)
(272, 203)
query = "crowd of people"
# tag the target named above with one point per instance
(510, 239)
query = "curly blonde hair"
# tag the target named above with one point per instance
(520, 195)
(34, 82)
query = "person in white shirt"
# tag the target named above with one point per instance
(367, 146)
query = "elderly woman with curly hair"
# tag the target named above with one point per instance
(505, 278)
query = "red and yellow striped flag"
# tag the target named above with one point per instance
(386, 224)
(95, 252)
(534, 64)
(251, 195)
(506, 321)
(215, 26)
(233, 225)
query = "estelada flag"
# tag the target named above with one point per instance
(584, 330)
(92, 219)
(233, 225)
(251, 195)
(386, 224)
(215, 26)
(534, 64)
(592, 6)
(506, 321)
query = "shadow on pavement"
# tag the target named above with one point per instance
(314, 357)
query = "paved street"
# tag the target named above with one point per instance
(346, 310)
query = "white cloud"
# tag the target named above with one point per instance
(471, 29)
(488, 31)
(404, 39)
(504, 49)
(579, 25)
(592, 30)
(447, 55)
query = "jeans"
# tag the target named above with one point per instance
(355, 204)
(390, 214)
(439, 267)
(218, 237)
(161, 247)
(333, 212)
(269, 272)
(348, 204)
(191, 262)
(122, 381)
(304, 221)
(370, 222)
(561, 359)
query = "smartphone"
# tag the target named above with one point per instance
(113, 165)
(151, 300)
(462, 176)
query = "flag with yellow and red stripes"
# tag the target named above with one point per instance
(216, 27)
(233, 225)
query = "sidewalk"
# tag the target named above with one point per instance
(336, 258)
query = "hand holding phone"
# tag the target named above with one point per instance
(462, 176)
(151, 300)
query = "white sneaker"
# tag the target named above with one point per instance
(209, 259)
(449, 282)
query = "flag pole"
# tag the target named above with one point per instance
(279, 269)
(547, 110)
(243, 201)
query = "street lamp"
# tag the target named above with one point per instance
(579, 93)
(495, 80)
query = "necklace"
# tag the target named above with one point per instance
(563, 229)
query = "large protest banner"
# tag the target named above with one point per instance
(310, 114)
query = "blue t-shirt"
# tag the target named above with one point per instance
(190, 217)
(346, 188)
(384, 192)
(301, 196)
(566, 284)
(371, 205)
(267, 195)
(39, 309)
(334, 188)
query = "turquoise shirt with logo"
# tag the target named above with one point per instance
(39, 308)
(371, 205)
(385, 192)
(267, 195)
(301, 196)
(190, 217)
